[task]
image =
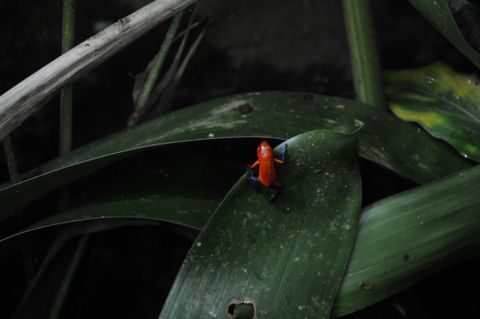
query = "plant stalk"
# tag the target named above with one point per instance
(59, 301)
(154, 73)
(10, 158)
(66, 94)
(367, 76)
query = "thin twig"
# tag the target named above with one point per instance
(158, 62)
(167, 98)
(189, 28)
(159, 89)
(11, 160)
(59, 301)
(30, 94)
(170, 74)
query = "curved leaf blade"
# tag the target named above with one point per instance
(161, 184)
(438, 13)
(411, 235)
(192, 213)
(364, 267)
(445, 103)
(383, 139)
(281, 115)
(286, 256)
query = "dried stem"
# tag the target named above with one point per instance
(30, 94)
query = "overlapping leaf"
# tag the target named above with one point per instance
(160, 185)
(440, 16)
(383, 139)
(286, 256)
(411, 235)
(445, 103)
(443, 222)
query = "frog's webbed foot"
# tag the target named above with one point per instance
(253, 179)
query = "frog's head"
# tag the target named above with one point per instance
(264, 150)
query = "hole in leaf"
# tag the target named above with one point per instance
(241, 309)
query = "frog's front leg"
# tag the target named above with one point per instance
(283, 155)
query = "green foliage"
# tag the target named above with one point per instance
(442, 101)
(408, 236)
(306, 253)
(440, 16)
(382, 139)
(287, 255)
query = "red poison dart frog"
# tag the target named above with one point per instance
(267, 175)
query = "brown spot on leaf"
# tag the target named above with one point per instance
(308, 97)
(406, 257)
(366, 286)
(245, 108)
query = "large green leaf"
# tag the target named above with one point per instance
(158, 185)
(281, 115)
(383, 139)
(411, 235)
(190, 212)
(442, 101)
(440, 16)
(385, 259)
(286, 256)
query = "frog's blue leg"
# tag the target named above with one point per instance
(253, 179)
(283, 153)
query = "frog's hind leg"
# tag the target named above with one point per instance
(276, 189)
(254, 180)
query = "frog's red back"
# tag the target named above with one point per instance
(266, 164)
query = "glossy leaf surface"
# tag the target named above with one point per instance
(411, 235)
(282, 115)
(394, 144)
(368, 281)
(444, 102)
(286, 256)
(438, 13)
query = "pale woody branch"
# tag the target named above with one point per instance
(30, 94)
